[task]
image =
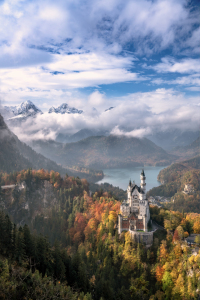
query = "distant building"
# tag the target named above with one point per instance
(189, 188)
(135, 213)
(152, 200)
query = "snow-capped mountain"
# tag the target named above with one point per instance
(64, 109)
(23, 110)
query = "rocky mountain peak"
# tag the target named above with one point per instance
(64, 109)
(23, 110)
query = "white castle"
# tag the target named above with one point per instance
(135, 213)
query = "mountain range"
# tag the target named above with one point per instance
(16, 156)
(80, 135)
(28, 109)
(169, 140)
(64, 109)
(105, 152)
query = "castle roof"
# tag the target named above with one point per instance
(142, 173)
(138, 189)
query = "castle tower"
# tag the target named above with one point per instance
(129, 192)
(143, 183)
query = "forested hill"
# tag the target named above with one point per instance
(36, 192)
(16, 155)
(173, 172)
(105, 152)
(174, 178)
(74, 252)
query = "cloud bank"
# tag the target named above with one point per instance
(136, 115)
(48, 48)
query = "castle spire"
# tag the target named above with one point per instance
(143, 183)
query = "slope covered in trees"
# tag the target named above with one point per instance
(117, 193)
(95, 261)
(31, 269)
(175, 171)
(36, 192)
(105, 152)
(174, 178)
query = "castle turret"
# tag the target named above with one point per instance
(143, 183)
(129, 188)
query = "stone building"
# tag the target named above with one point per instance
(188, 189)
(134, 212)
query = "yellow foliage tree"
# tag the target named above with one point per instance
(112, 216)
(196, 226)
(180, 286)
(180, 231)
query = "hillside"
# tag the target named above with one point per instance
(188, 151)
(174, 171)
(10, 156)
(16, 155)
(105, 152)
(174, 178)
(72, 249)
(174, 138)
(36, 192)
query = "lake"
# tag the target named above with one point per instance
(121, 177)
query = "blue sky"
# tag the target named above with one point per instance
(100, 53)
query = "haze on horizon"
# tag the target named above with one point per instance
(140, 57)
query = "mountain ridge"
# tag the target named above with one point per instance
(64, 109)
(107, 152)
(23, 110)
(189, 151)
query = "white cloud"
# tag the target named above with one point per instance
(138, 133)
(62, 73)
(89, 61)
(50, 49)
(89, 38)
(134, 115)
(169, 64)
(96, 99)
(149, 25)
(193, 80)
(193, 88)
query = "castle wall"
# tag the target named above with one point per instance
(142, 237)
(139, 224)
